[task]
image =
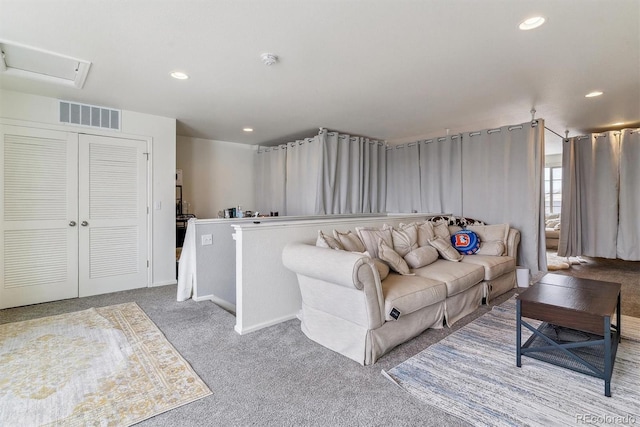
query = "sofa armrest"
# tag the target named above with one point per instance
(342, 283)
(513, 240)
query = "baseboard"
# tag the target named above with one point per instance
(262, 325)
(165, 283)
(222, 303)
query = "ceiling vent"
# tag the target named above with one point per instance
(32, 63)
(89, 115)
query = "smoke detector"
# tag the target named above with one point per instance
(269, 58)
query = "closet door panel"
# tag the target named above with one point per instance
(112, 214)
(39, 260)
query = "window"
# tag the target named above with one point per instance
(552, 189)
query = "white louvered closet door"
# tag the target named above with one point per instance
(112, 214)
(39, 206)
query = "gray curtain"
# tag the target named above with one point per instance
(303, 175)
(353, 176)
(403, 178)
(590, 185)
(600, 181)
(502, 178)
(330, 173)
(441, 175)
(270, 166)
(628, 244)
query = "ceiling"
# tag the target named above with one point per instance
(395, 70)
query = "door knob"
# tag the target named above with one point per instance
(84, 223)
(72, 223)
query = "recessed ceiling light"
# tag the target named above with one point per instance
(531, 23)
(179, 75)
(594, 93)
(618, 124)
(247, 129)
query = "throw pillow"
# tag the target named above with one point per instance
(405, 239)
(441, 229)
(325, 241)
(349, 241)
(425, 232)
(495, 248)
(465, 242)
(445, 249)
(491, 233)
(421, 256)
(370, 236)
(391, 257)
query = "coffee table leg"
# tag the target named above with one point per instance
(619, 320)
(518, 334)
(607, 356)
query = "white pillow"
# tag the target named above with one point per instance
(421, 256)
(445, 249)
(391, 257)
(425, 232)
(325, 241)
(349, 241)
(492, 233)
(442, 230)
(495, 248)
(370, 237)
(405, 239)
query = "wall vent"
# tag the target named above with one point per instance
(89, 115)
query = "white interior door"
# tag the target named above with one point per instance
(39, 210)
(112, 214)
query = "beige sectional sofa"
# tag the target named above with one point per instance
(351, 305)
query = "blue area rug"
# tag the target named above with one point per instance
(472, 374)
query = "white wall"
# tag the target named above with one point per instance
(40, 111)
(216, 175)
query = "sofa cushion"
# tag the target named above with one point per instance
(457, 276)
(410, 293)
(494, 266)
(349, 241)
(405, 239)
(422, 256)
(391, 257)
(445, 249)
(326, 241)
(371, 235)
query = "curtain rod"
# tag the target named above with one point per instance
(554, 132)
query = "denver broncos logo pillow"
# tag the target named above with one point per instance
(465, 241)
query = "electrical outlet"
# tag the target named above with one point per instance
(207, 239)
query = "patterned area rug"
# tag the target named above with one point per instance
(472, 374)
(101, 366)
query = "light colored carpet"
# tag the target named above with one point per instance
(630, 327)
(472, 374)
(100, 366)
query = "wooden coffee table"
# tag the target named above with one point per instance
(576, 332)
